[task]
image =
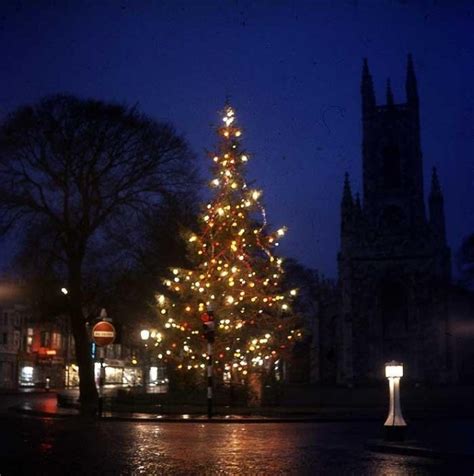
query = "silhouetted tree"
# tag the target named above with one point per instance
(76, 167)
(129, 285)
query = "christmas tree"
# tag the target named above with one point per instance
(235, 274)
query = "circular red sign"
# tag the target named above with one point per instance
(103, 333)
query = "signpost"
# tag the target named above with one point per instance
(209, 326)
(103, 334)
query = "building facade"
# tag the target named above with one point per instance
(394, 263)
(12, 319)
(47, 354)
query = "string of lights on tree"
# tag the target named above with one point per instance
(236, 273)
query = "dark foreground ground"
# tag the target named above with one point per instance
(38, 446)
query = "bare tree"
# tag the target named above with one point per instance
(77, 166)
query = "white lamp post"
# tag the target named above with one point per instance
(145, 335)
(395, 425)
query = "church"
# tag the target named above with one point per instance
(394, 263)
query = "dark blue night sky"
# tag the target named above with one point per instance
(292, 70)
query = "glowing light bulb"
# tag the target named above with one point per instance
(256, 194)
(228, 120)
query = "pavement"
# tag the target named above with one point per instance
(425, 439)
(75, 446)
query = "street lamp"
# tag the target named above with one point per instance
(395, 425)
(144, 335)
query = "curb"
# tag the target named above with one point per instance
(380, 446)
(38, 413)
(195, 418)
(231, 420)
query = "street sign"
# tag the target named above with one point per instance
(208, 325)
(103, 333)
(207, 317)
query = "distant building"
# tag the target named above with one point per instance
(394, 262)
(12, 318)
(47, 353)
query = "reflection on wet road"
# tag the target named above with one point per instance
(30, 446)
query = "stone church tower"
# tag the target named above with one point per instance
(394, 263)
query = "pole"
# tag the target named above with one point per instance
(145, 368)
(209, 380)
(395, 425)
(101, 386)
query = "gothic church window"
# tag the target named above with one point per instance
(391, 166)
(394, 313)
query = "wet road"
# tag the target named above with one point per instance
(42, 446)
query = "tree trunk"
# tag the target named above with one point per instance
(87, 390)
(255, 388)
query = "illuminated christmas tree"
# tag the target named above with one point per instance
(235, 274)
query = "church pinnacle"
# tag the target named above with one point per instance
(410, 84)
(367, 90)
